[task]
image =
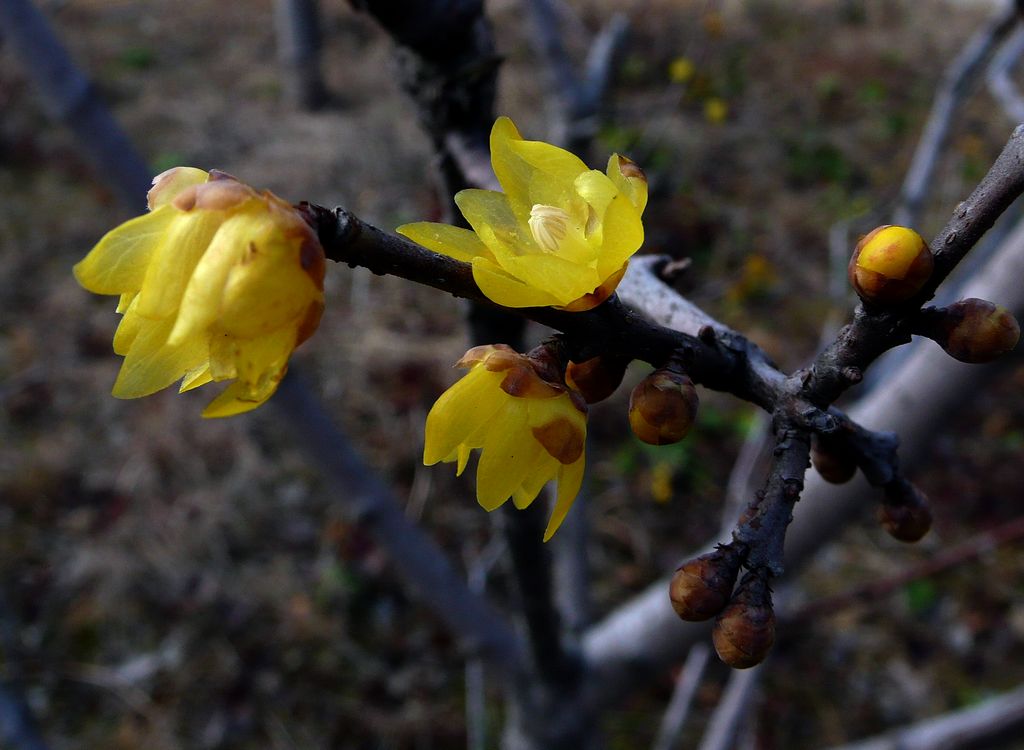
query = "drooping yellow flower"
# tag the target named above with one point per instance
(217, 282)
(559, 235)
(529, 431)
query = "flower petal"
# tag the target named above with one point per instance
(507, 290)
(508, 456)
(629, 179)
(491, 217)
(623, 234)
(171, 183)
(237, 399)
(455, 242)
(450, 423)
(118, 262)
(151, 365)
(570, 479)
(171, 266)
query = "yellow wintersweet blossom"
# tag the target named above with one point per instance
(559, 235)
(528, 428)
(217, 282)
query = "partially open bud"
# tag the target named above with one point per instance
(663, 407)
(833, 459)
(700, 589)
(890, 264)
(905, 513)
(598, 377)
(745, 630)
(973, 330)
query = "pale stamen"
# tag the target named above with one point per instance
(549, 226)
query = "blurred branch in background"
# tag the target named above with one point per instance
(955, 83)
(999, 718)
(297, 23)
(71, 98)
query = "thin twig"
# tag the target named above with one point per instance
(728, 716)
(678, 709)
(997, 718)
(873, 591)
(297, 25)
(954, 85)
(998, 78)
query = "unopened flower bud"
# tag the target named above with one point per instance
(905, 513)
(663, 407)
(974, 330)
(700, 588)
(889, 265)
(745, 630)
(598, 377)
(833, 459)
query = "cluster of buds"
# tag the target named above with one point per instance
(745, 621)
(905, 513)
(663, 406)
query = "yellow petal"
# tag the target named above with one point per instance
(195, 378)
(118, 262)
(171, 266)
(152, 365)
(509, 455)
(532, 485)
(491, 217)
(623, 236)
(200, 302)
(128, 329)
(462, 456)
(267, 290)
(460, 410)
(512, 171)
(237, 399)
(506, 290)
(125, 301)
(263, 357)
(633, 187)
(570, 479)
(455, 242)
(554, 171)
(168, 185)
(561, 278)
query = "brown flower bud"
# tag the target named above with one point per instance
(745, 630)
(663, 406)
(889, 265)
(833, 459)
(905, 514)
(598, 377)
(974, 330)
(700, 588)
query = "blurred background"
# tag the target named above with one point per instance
(169, 582)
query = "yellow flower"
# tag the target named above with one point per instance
(217, 282)
(529, 431)
(681, 70)
(560, 235)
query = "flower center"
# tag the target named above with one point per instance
(549, 226)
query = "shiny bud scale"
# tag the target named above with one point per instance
(833, 460)
(596, 378)
(745, 630)
(700, 588)
(890, 265)
(663, 407)
(976, 331)
(905, 514)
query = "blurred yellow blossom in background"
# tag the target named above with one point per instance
(217, 282)
(559, 235)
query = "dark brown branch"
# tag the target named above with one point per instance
(873, 332)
